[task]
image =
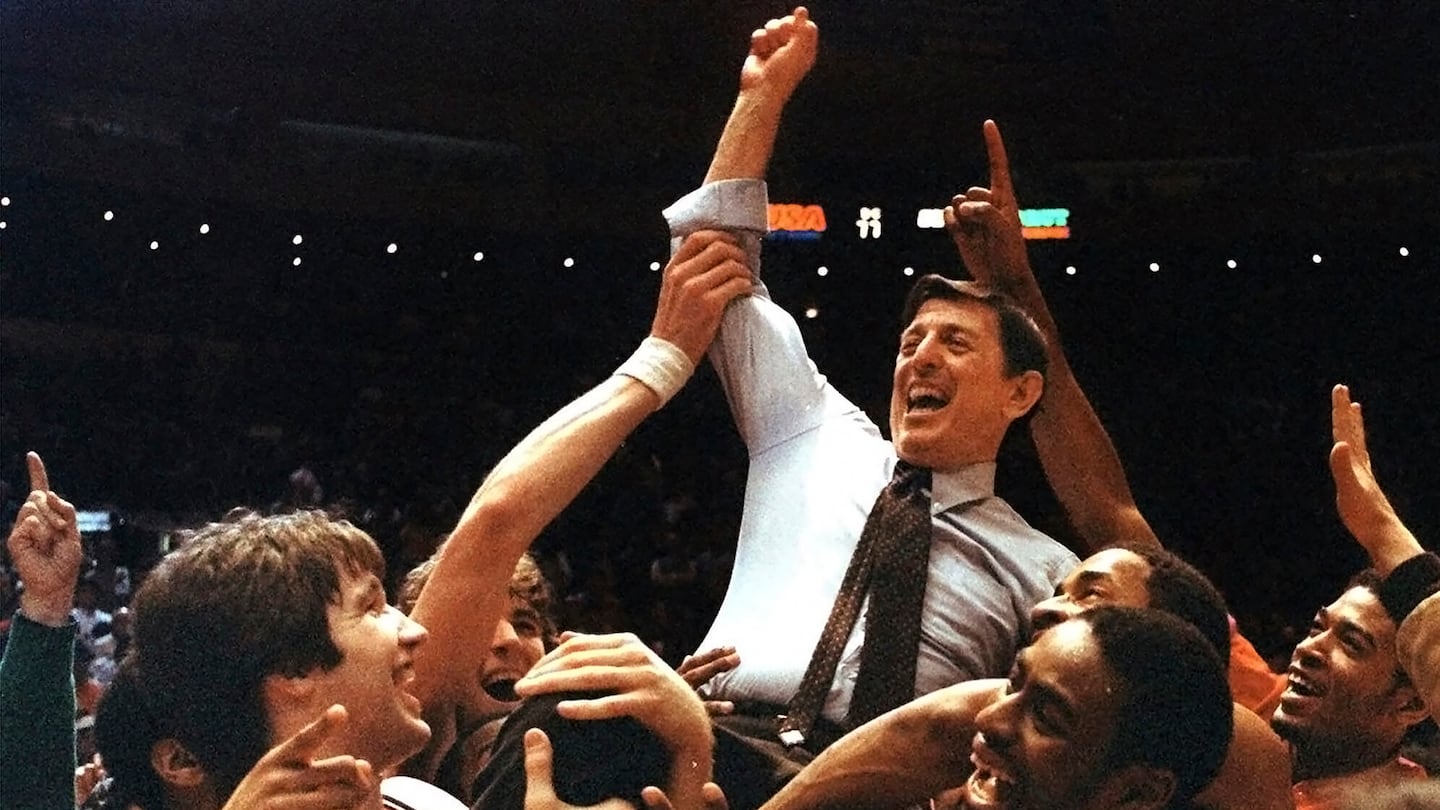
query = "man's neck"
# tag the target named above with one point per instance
(1343, 761)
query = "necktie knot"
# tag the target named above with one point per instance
(908, 480)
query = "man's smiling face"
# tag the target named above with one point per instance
(1043, 745)
(952, 397)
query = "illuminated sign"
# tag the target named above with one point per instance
(869, 223)
(1045, 223)
(1035, 223)
(794, 221)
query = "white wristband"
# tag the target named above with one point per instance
(660, 365)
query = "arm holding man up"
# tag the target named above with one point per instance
(467, 592)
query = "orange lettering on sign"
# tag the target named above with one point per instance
(795, 217)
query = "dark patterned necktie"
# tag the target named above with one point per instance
(891, 563)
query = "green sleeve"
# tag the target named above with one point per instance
(37, 717)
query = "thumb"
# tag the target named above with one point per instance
(1341, 456)
(539, 774)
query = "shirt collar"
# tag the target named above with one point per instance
(973, 482)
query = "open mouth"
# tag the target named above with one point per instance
(502, 689)
(988, 786)
(923, 399)
(1303, 686)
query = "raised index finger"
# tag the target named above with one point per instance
(999, 163)
(38, 479)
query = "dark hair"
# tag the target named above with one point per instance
(1177, 715)
(239, 601)
(1021, 340)
(125, 732)
(1179, 588)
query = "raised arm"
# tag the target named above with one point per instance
(900, 758)
(1079, 459)
(1363, 507)
(1411, 589)
(759, 356)
(781, 54)
(467, 592)
(37, 691)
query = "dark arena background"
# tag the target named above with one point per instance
(381, 241)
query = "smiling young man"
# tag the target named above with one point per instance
(251, 632)
(1348, 705)
(456, 752)
(1120, 708)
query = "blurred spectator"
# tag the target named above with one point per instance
(87, 613)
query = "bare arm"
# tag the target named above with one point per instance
(901, 757)
(1256, 771)
(1080, 461)
(467, 592)
(781, 54)
(1363, 507)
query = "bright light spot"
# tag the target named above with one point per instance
(297, 240)
(812, 312)
(3, 224)
(930, 218)
(569, 262)
(205, 227)
(296, 261)
(4, 200)
(654, 266)
(109, 215)
(391, 248)
(444, 274)
(154, 245)
(1154, 267)
(479, 256)
(909, 271)
(1315, 258)
(1232, 264)
(1070, 271)
(1404, 251)
(822, 270)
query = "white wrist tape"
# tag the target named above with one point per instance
(660, 365)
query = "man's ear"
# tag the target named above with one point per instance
(1025, 390)
(175, 765)
(1137, 787)
(1408, 706)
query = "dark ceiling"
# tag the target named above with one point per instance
(619, 99)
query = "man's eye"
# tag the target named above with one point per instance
(1044, 723)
